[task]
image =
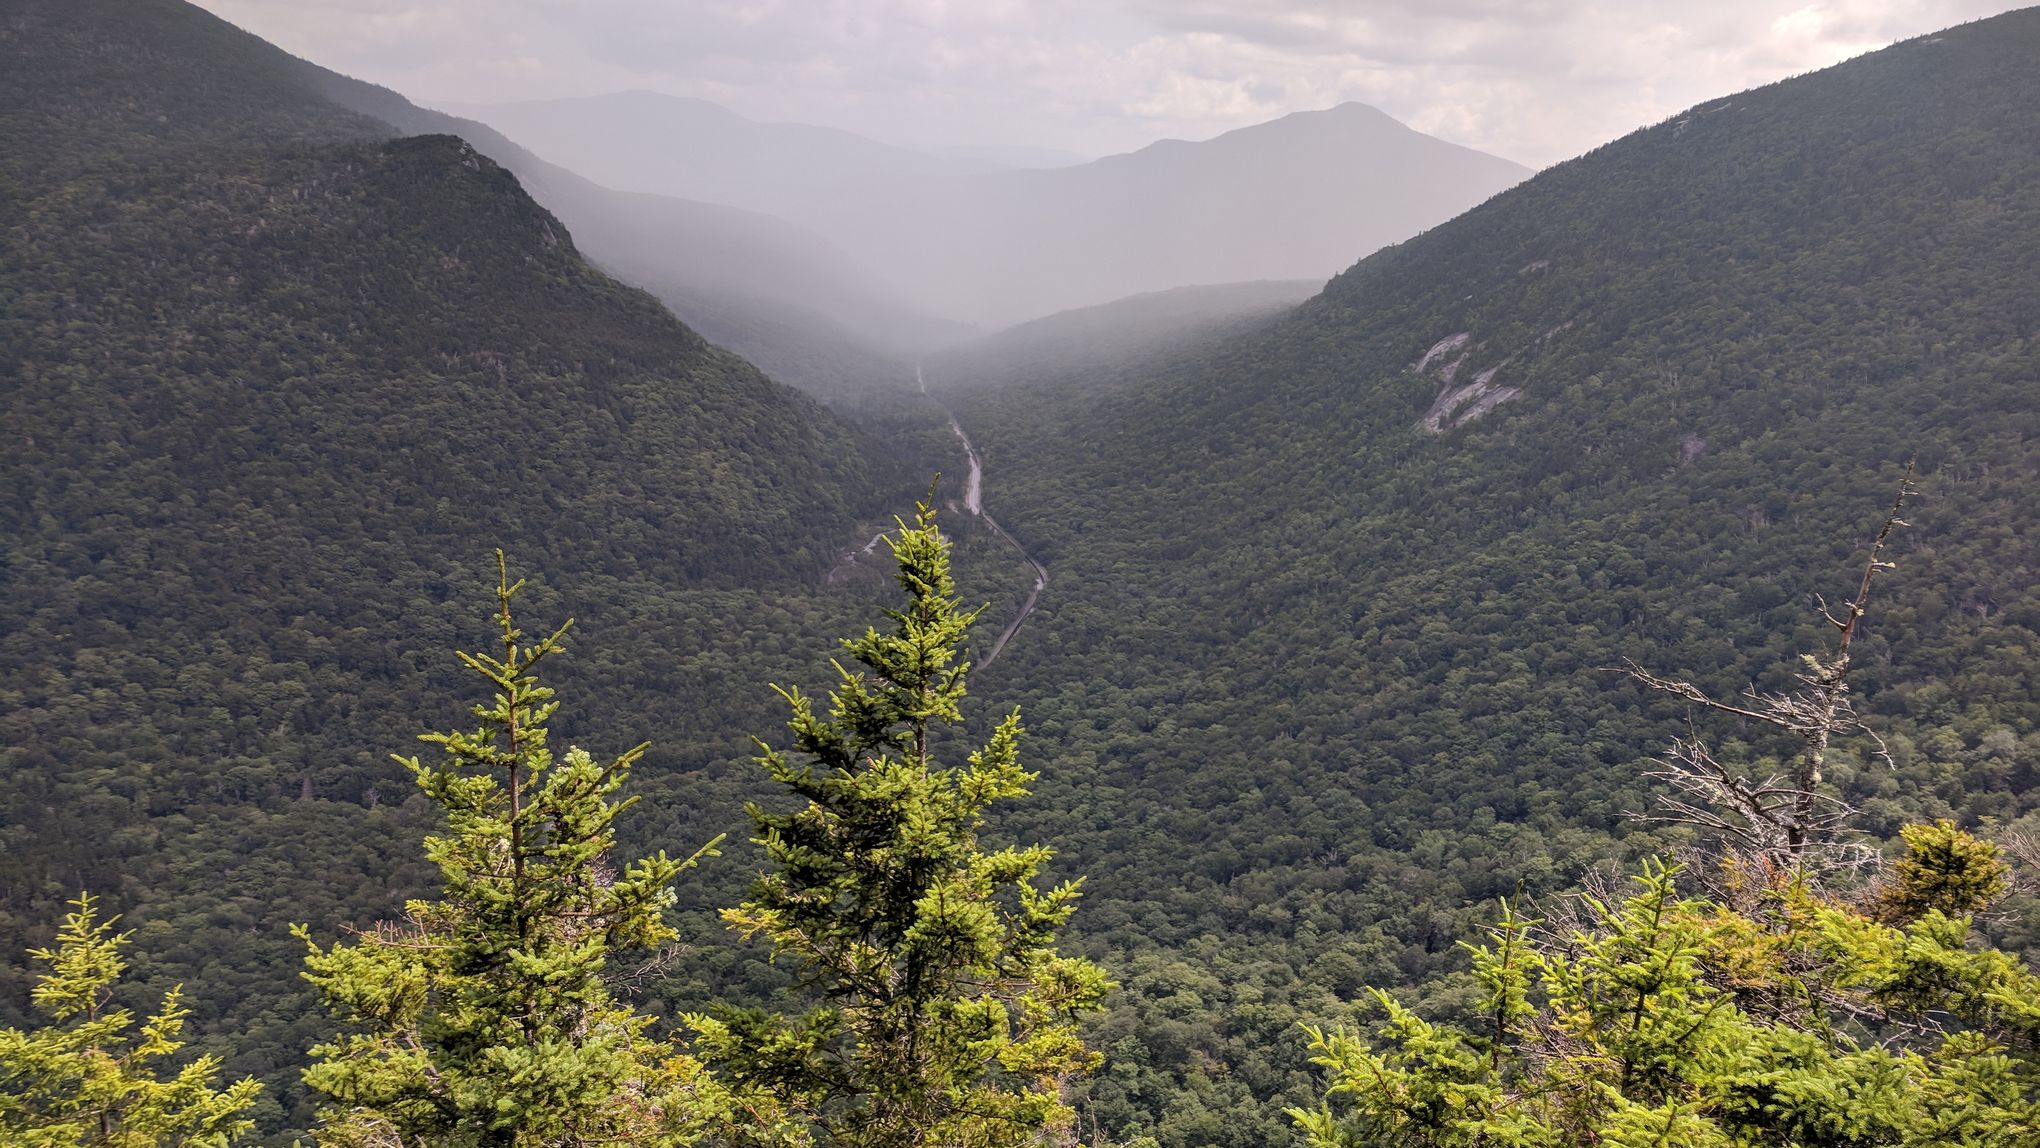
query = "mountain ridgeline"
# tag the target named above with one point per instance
(723, 259)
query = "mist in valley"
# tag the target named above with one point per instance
(992, 245)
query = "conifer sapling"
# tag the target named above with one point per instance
(944, 1014)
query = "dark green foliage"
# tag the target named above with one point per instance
(1103, 342)
(87, 82)
(945, 1015)
(274, 387)
(1343, 676)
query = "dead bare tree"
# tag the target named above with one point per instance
(1783, 822)
(2023, 847)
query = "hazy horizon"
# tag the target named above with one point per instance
(1535, 83)
(1300, 197)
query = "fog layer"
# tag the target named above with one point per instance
(968, 239)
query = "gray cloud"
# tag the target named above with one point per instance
(1534, 80)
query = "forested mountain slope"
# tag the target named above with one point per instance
(275, 384)
(1114, 338)
(1325, 657)
(683, 250)
(780, 295)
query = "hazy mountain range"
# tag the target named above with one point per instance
(672, 145)
(678, 247)
(1296, 198)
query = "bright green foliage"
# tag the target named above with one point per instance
(1663, 1021)
(485, 1018)
(947, 1017)
(88, 1079)
(1943, 869)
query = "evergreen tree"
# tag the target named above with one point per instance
(1669, 1021)
(946, 1016)
(1943, 869)
(485, 1018)
(89, 1079)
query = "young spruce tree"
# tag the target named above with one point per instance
(1786, 1011)
(945, 1014)
(485, 1018)
(89, 1079)
(1798, 1021)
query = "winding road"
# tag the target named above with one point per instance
(974, 501)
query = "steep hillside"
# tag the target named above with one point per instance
(704, 246)
(1325, 651)
(276, 385)
(798, 347)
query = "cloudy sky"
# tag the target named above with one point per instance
(1534, 80)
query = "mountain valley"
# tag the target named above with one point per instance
(1313, 540)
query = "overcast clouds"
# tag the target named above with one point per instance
(1536, 80)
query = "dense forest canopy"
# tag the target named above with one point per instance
(1327, 658)
(1345, 676)
(279, 385)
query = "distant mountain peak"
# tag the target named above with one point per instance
(1344, 121)
(973, 239)
(1353, 109)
